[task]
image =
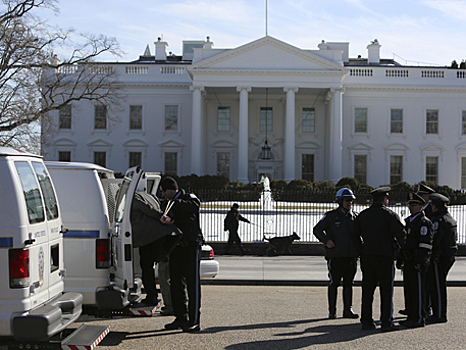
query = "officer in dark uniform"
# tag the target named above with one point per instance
(183, 209)
(381, 231)
(231, 223)
(425, 192)
(444, 248)
(341, 251)
(416, 253)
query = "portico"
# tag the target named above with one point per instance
(311, 88)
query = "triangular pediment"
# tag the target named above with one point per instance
(265, 54)
(170, 143)
(432, 147)
(223, 144)
(361, 147)
(99, 143)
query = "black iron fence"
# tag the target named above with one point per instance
(278, 213)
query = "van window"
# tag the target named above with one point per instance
(51, 206)
(121, 198)
(31, 192)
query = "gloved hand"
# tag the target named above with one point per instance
(400, 264)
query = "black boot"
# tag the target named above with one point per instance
(332, 302)
(347, 303)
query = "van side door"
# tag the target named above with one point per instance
(121, 234)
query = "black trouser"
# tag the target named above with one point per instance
(377, 270)
(437, 285)
(233, 237)
(185, 281)
(147, 258)
(341, 268)
(415, 291)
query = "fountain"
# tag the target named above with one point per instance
(266, 200)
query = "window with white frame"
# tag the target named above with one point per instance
(308, 122)
(171, 163)
(432, 169)
(135, 117)
(223, 119)
(135, 159)
(266, 119)
(223, 164)
(100, 158)
(307, 167)
(65, 117)
(360, 168)
(463, 122)
(64, 156)
(396, 121)
(432, 118)
(171, 117)
(396, 169)
(360, 120)
(100, 117)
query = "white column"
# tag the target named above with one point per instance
(196, 131)
(336, 134)
(290, 147)
(243, 134)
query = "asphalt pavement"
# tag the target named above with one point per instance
(296, 271)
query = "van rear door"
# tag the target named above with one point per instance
(121, 233)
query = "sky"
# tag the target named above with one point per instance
(418, 32)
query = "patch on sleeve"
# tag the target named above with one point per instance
(424, 230)
(192, 195)
(436, 225)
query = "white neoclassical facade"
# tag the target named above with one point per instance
(322, 114)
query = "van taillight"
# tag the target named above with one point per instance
(102, 253)
(211, 253)
(19, 268)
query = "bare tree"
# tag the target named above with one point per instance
(35, 81)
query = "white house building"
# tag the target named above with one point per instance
(270, 108)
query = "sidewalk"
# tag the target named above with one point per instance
(296, 270)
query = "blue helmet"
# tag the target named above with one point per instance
(344, 193)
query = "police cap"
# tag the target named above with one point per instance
(381, 192)
(423, 189)
(439, 199)
(414, 198)
(168, 183)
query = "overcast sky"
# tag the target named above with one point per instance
(425, 31)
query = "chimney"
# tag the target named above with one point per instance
(160, 50)
(373, 52)
(323, 45)
(208, 44)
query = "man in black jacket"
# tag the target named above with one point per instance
(416, 253)
(341, 251)
(444, 248)
(184, 260)
(381, 231)
(231, 223)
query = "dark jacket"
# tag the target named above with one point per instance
(445, 235)
(145, 223)
(232, 220)
(380, 231)
(185, 213)
(419, 236)
(336, 225)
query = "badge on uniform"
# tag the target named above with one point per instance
(423, 230)
(436, 225)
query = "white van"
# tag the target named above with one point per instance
(99, 259)
(32, 305)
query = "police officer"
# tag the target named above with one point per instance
(341, 251)
(231, 223)
(381, 231)
(425, 192)
(416, 252)
(184, 259)
(444, 248)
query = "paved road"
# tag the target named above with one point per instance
(282, 318)
(296, 270)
